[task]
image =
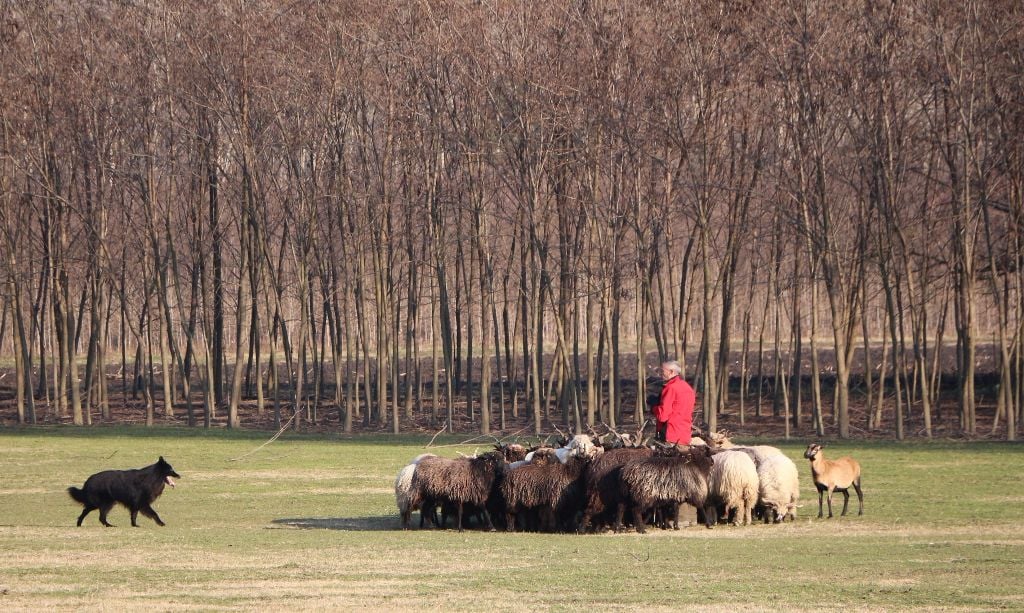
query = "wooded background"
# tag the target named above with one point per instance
(260, 206)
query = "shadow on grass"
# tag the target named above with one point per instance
(376, 523)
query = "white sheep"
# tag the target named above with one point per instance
(580, 446)
(757, 452)
(734, 483)
(779, 488)
(403, 487)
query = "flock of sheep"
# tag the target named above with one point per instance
(588, 482)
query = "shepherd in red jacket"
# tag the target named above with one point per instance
(674, 411)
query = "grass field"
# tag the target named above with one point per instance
(310, 523)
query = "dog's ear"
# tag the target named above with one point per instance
(162, 460)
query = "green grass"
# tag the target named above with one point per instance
(309, 522)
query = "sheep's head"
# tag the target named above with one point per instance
(491, 461)
(544, 455)
(702, 458)
(583, 446)
(512, 452)
(668, 450)
(629, 440)
(610, 440)
(812, 451)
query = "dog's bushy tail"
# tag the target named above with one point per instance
(77, 494)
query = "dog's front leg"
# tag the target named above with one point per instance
(149, 512)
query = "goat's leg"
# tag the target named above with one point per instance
(830, 490)
(459, 517)
(860, 497)
(821, 493)
(846, 500)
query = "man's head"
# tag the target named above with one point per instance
(670, 369)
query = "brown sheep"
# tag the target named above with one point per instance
(601, 484)
(674, 475)
(459, 482)
(551, 488)
(834, 475)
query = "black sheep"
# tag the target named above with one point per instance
(457, 481)
(671, 476)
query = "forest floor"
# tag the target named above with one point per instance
(509, 421)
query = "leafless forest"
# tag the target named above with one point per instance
(499, 213)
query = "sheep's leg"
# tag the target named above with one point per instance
(487, 516)
(638, 519)
(821, 492)
(710, 515)
(830, 490)
(620, 511)
(584, 523)
(846, 500)
(459, 516)
(675, 516)
(548, 520)
(860, 497)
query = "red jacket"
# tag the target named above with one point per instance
(674, 412)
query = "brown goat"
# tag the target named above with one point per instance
(834, 476)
